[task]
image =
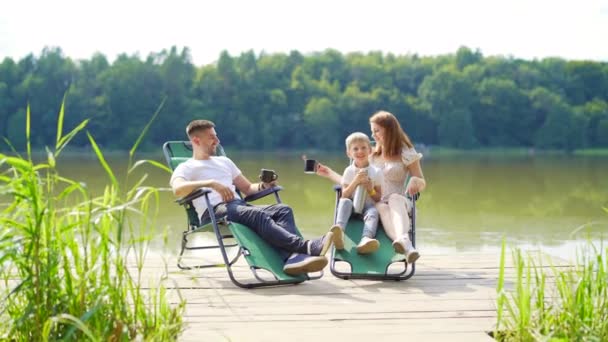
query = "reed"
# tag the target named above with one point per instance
(71, 262)
(554, 303)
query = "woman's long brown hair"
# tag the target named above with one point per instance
(394, 136)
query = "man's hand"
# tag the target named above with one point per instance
(224, 191)
(268, 185)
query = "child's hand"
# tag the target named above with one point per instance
(362, 179)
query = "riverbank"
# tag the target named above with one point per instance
(435, 151)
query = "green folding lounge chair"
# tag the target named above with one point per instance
(383, 264)
(258, 254)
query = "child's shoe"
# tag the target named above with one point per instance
(338, 236)
(367, 245)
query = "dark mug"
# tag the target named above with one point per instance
(268, 176)
(310, 166)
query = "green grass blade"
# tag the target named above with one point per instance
(27, 132)
(500, 287)
(102, 161)
(146, 128)
(83, 319)
(68, 137)
(60, 122)
(50, 158)
(69, 320)
(12, 148)
(18, 163)
(151, 162)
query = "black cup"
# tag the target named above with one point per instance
(268, 176)
(310, 166)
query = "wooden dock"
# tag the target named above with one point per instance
(450, 298)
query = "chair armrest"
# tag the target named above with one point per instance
(263, 193)
(193, 195)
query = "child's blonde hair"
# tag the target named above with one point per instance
(357, 137)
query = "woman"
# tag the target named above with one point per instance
(396, 157)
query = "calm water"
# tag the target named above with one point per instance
(470, 203)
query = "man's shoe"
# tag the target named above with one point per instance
(303, 263)
(320, 245)
(367, 245)
(338, 236)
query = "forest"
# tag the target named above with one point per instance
(263, 101)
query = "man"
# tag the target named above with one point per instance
(275, 223)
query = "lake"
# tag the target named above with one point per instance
(472, 200)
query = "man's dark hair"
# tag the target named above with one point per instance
(198, 126)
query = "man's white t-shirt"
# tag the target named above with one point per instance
(221, 169)
(372, 172)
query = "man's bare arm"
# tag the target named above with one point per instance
(245, 186)
(182, 187)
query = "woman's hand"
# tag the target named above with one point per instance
(415, 185)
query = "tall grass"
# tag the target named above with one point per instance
(71, 263)
(565, 303)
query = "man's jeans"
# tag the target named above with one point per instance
(275, 224)
(370, 216)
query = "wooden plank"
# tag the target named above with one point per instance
(327, 333)
(451, 297)
(381, 329)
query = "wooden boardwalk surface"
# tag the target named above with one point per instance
(450, 298)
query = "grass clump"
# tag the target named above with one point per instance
(559, 303)
(71, 264)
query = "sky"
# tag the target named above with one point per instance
(525, 29)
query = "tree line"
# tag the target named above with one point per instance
(294, 100)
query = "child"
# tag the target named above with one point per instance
(359, 173)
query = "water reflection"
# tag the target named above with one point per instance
(470, 204)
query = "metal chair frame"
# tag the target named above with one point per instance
(195, 226)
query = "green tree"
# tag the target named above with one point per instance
(586, 81)
(322, 121)
(9, 79)
(44, 87)
(134, 90)
(502, 117)
(466, 57)
(596, 113)
(449, 95)
(560, 129)
(176, 73)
